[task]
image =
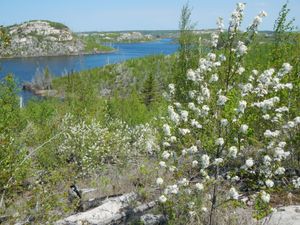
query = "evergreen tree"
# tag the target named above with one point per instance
(149, 91)
(188, 51)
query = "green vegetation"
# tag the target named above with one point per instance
(55, 25)
(120, 127)
(92, 44)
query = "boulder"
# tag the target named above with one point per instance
(287, 215)
(111, 211)
(150, 219)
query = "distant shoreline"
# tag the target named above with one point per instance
(63, 55)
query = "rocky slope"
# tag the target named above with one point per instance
(41, 38)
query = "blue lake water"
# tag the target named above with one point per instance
(24, 69)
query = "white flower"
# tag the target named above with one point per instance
(287, 67)
(167, 129)
(267, 104)
(194, 163)
(192, 94)
(269, 183)
(159, 181)
(224, 122)
(166, 144)
(173, 139)
(279, 171)
(241, 48)
(220, 141)
(265, 197)
(242, 106)
(222, 58)
(199, 186)
(235, 178)
(218, 161)
(184, 131)
(191, 106)
(269, 134)
(263, 14)
(282, 144)
(249, 163)
(196, 124)
(244, 128)
(211, 56)
(205, 108)
(266, 116)
(172, 189)
(267, 160)
(184, 182)
(184, 115)
(296, 182)
(191, 75)
(172, 168)
(205, 161)
(204, 209)
(162, 199)
(214, 78)
(173, 115)
(280, 154)
(166, 155)
(177, 104)
(222, 100)
(240, 70)
(297, 120)
(192, 213)
(172, 89)
(162, 164)
(282, 109)
(220, 24)
(193, 149)
(233, 152)
(233, 194)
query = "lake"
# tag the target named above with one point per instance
(24, 69)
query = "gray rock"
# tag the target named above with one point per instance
(111, 211)
(150, 219)
(41, 38)
(288, 215)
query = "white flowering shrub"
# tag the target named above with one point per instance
(91, 145)
(231, 136)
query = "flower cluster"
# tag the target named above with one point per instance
(89, 146)
(215, 129)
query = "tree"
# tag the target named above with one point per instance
(149, 91)
(284, 39)
(188, 51)
(11, 153)
(4, 37)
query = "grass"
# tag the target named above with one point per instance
(93, 45)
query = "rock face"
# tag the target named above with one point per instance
(113, 210)
(288, 215)
(109, 212)
(41, 38)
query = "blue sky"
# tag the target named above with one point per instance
(108, 15)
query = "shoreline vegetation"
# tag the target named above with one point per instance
(73, 54)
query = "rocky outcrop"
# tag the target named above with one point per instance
(288, 215)
(112, 210)
(41, 38)
(133, 36)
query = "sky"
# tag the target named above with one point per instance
(116, 15)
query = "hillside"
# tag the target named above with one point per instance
(45, 38)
